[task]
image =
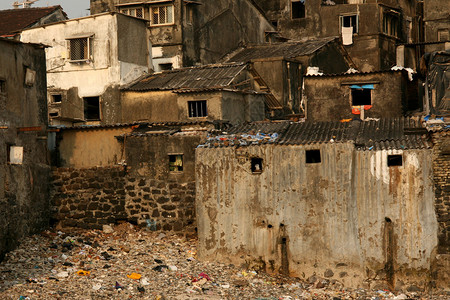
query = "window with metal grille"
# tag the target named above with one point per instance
(161, 15)
(391, 24)
(91, 108)
(80, 49)
(135, 12)
(349, 21)
(176, 162)
(197, 109)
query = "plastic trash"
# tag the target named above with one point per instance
(83, 273)
(135, 276)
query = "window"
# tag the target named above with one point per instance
(161, 15)
(80, 49)
(257, 165)
(197, 109)
(349, 21)
(135, 12)
(361, 97)
(391, 23)
(176, 162)
(91, 108)
(14, 154)
(361, 94)
(56, 98)
(394, 160)
(312, 156)
(443, 35)
(166, 67)
(298, 9)
(2, 86)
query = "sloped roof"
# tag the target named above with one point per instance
(15, 20)
(286, 50)
(383, 134)
(205, 77)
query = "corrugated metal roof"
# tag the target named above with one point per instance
(118, 125)
(383, 134)
(205, 77)
(286, 50)
(15, 20)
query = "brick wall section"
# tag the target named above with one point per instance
(92, 197)
(441, 166)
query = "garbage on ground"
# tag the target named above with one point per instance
(164, 266)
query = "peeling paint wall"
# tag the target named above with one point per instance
(436, 25)
(303, 219)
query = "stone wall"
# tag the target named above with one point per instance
(93, 197)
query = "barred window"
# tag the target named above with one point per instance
(176, 162)
(161, 14)
(80, 49)
(197, 109)
(135, 12)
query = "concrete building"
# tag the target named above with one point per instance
(369, 29)
(186, 33)
(280, 68)
(88, 59)
(383, 94)
(436, 19)
(141, 173)
(24, 167)
(13, 21)
(349, 201)
(222, 92)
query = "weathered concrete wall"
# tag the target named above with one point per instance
(152, 106)
(350, 217)
(329, 98)
(435, 13)
(24, 205)
(91, 147)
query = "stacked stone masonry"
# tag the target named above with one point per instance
(93, 197)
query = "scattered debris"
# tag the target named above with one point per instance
(156, 266)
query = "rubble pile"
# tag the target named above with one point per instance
(127, 262)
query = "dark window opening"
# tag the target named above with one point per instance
(257, 165)
(298, 9)
(53, 114)
(275, 23)
(57, 98)
(2, 86)
(350, 21)
(361, 97)
(394, 160)
(176, 163)
(312, 156)
(166, 67)
(197, 109)
(92, 108)
(391, 24)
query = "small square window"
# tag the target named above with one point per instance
(394, 160)
(56, 98)
(443, 35)
(80, 49)
(15, 154)
(298, 9)
(197, 109)
(349, 21)
(166, 67)
(257, 165)
(312, 156)
(91, 108)
(361, 97)
(176, 162)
